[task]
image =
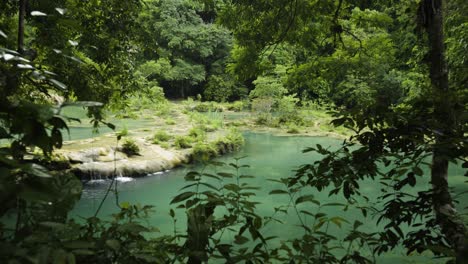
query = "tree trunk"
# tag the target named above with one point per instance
(21, 15)
(452, 227)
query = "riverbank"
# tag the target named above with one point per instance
(175, 134)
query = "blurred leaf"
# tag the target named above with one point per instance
(240, 240)
(58, 84)
(113, 244)
(36, 170)
(132, 227)
(441, 250)
(225, 174)
(338, 220)
(83, 104)
(61, 11)
(78, 244)
(182, 197)
(307, 198)
(38, 13)
(73, 43)
(278, 192)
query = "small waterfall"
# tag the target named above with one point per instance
(122, 178)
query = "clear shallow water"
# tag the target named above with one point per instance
(85, 130)
(269, 157)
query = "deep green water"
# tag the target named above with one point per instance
(269, 157)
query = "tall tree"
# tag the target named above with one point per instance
(432, 15)
(182, 47)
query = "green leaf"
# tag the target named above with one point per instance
(225, 174)
(278, 192)
(357, 224)
(307, 212)
(113, 244)
(85, 252)
(110, 125)
(333, 204)
(240, 240)
(307, 198)
(58, 84)
(4, 133)
(53, 225)
(338, 220)
(232, 187)
(182, 197)
(418, 171)
(192, 176)
(411, 179)
(132, 227)
(36, 170)
(441, 250)
(209, 186)
(83, 104)
(78, 244)
(210, 176)
(59, 256)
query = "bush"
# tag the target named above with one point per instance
(204, 151)
(198, 133)
(293, 129)
(207, 107)
(223, 88)
(231, 142)
(130, 148)
(170, 121)
(161, 136)
(183, 142)
(123, 132)
(236, 106)
(263, 119)
(165, 145)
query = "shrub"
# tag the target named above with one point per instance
(183, 142)
(161, 136)
(287, 110)
(198, 133)
(232, 141)
(202, 107)
(293, 129)
(170, 121)
(236, 106)
(224, 88)
(262, 105)
(208, 107)
(130, 148)
(165, 145)
(236, 138)
(204, 151)
(263, 119)
(123, 132)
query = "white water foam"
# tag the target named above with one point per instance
(124, 179)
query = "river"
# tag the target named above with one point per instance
(269, 157)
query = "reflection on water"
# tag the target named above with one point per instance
(269, 157)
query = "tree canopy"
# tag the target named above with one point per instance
(392, 72)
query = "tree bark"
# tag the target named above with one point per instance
(21, 15)
(452, 227)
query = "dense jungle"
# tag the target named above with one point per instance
(233, 131)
